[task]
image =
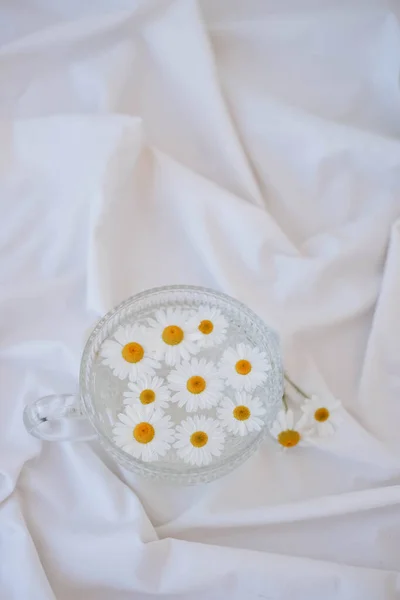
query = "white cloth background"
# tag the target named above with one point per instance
(249, 146)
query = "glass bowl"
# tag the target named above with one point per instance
(102, 393)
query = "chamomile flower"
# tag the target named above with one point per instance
(322, 416)
(287, 433)
(241, 415)
(171, 336)
(244, 367)
(144, 432)
(198, 440)
(196, 384)
(148, 390)
(209, 326)
(128, 354)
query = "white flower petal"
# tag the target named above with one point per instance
(282, 420)
(289, 419)
(275, 429)
(325, 429)
(126, 420)
(305, 421)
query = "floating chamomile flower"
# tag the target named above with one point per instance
(244, 367)
(148, 390)
(287, 433)
(198, 440)
(209, 326)
(321, 416)
(196, 385)
(144, 432)
(242, 415)
(171, 336)
(129, 353)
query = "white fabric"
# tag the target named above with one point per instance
(249, 146)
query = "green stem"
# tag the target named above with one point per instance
(296, 387)
(284, 402)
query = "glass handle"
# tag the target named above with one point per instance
(58, 418)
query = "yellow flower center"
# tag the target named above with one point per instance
(289, 438)
(243, 367)
(321, 415)
(147, 396)
(144, 433)
(206, 327)
(172, 335)
(198, 439)
(241, 413)
(133, 352)
(196, 384)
